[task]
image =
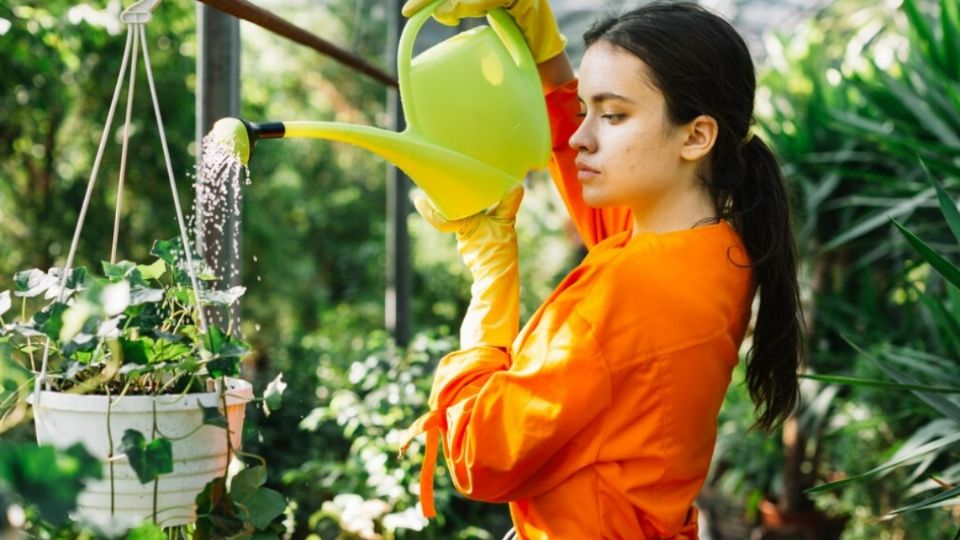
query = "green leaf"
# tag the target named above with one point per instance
(944, 320)
(944, 406)
(273, 395)
(247, 481)
(214, 339)
(877, 220)
(167, 250)
(118, 271)
(947, 204)
(919, 26)
(213, 417)
(224, 367)
(148, 460)
(856, 381)
(938, 444)
(78, 278)
(950, 272)
(921, 110)
(30, 283)
(47, 478)
(50, 320)
(153, 271)
(183, 295)
(147, 531)
(950, 26)
(160, 454)
(138, 351)
(140, 295)
(216, 516)
(264, 506)
(930, 502)
(165, 350)
(135, 448)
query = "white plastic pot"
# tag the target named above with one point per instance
(65, 419)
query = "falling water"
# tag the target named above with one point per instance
(217, 204)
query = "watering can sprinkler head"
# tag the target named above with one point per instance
(239, 136)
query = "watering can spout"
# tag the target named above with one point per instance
(458, 184)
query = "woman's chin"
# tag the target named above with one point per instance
(594, 199)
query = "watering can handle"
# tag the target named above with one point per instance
(501, 22)
(512, 38)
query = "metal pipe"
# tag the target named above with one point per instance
(242, 9)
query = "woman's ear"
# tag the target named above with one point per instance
(701, 135)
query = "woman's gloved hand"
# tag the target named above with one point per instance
(487, 242)
(534, 18)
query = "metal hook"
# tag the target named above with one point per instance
(139, 12)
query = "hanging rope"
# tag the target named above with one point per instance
(123, 156)
(136, 18)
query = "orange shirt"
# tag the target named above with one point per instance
(600, 421)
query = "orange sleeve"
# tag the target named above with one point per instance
(593, 224)
(502, 420)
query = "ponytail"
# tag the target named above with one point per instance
(759, 208)
(702, 66)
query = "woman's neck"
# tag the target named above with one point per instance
(677, 210)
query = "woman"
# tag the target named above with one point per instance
(599, 419)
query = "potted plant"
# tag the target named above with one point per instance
(136, 375)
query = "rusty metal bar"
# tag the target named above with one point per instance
(246, 11)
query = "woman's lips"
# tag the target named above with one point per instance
(585, 172)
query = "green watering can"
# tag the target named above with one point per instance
(476, 117)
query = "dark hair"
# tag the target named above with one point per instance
(702, 66)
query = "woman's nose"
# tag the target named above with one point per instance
(582, 140)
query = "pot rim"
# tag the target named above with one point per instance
(239, 392)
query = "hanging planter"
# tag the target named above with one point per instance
(130, 372)
(126, 363)
(199, 452)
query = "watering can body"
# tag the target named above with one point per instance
(476, 117)
(477, 93)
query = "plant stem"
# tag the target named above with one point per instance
(241, 454)
(226, 416)
(110, 453)
(23, 319)
(171, 381)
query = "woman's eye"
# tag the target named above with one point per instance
(612, 116)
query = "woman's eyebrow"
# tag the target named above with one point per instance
(606, 96)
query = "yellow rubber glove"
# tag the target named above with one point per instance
(534, 18)
(487, 242)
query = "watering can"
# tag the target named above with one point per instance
(476, 117)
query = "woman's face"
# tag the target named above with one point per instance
(628, 151)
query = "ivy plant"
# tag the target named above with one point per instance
(136, 329)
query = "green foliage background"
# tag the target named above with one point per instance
(849, 99)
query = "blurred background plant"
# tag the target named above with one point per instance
(853, 100)
(850, 99)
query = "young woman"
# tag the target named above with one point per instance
(599, 419)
